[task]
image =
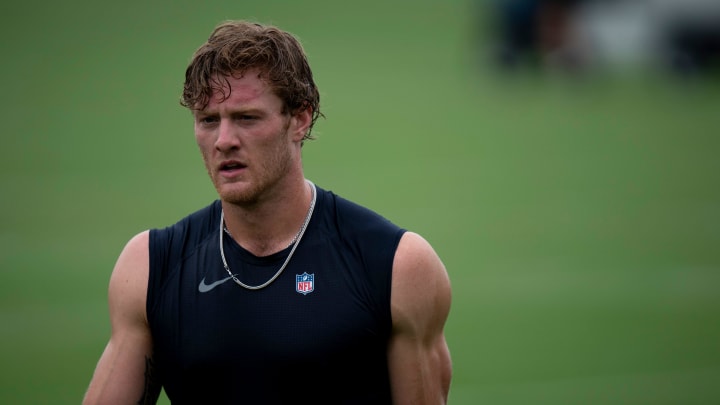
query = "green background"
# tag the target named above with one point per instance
(578, 217)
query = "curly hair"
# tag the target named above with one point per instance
(237, 46)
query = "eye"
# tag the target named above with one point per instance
(207, 120)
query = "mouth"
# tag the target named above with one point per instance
(231, 167)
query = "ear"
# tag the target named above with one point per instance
(300, 123)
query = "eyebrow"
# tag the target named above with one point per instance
(239, 111)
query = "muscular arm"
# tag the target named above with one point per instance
(418, 356)
(124, 374)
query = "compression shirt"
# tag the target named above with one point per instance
(318, 334)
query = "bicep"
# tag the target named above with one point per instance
(124, 372)
(418, 355)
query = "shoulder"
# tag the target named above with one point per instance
(133, 256)
(129, 279)
(200, 221)
(421, 292)
(353, 217)
(189, 231)
(363, 230)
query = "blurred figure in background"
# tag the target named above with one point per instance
(534, 33)
(573, 35)
(513, 25)
(690, 35)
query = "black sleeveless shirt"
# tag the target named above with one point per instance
(318, 334)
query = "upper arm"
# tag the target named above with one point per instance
(418, 356)
(121, 375)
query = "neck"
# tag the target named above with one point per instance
(267, 227)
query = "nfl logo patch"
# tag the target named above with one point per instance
(304, 283)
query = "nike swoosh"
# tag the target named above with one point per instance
(203, 288)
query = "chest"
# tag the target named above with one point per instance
(321, 308)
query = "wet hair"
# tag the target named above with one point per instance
(233, 48)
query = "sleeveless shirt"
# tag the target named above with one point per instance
(318, 334)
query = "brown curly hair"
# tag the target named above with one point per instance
(236, 46)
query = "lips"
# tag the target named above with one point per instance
(231, 167)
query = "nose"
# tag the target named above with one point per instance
(227, 137)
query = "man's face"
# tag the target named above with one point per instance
(248, 144)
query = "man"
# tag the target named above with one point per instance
(280, 291)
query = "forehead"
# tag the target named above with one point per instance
(247, 90)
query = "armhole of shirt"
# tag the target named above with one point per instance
(157, 250)
(397, 236)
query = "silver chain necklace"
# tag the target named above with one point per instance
(295, 244)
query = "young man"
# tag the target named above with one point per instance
(280, 291)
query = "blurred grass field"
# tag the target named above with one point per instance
(579, 219)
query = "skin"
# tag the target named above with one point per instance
(252, 152)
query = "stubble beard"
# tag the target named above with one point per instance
(256, 184)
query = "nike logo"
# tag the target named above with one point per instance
(203, 288)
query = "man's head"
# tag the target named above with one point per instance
(233, 48)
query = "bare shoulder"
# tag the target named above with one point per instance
(414, 249)
(129, 280)
(420, 284)
(134, 260)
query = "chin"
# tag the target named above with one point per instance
(235, 194)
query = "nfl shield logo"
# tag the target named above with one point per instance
(304, 283)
